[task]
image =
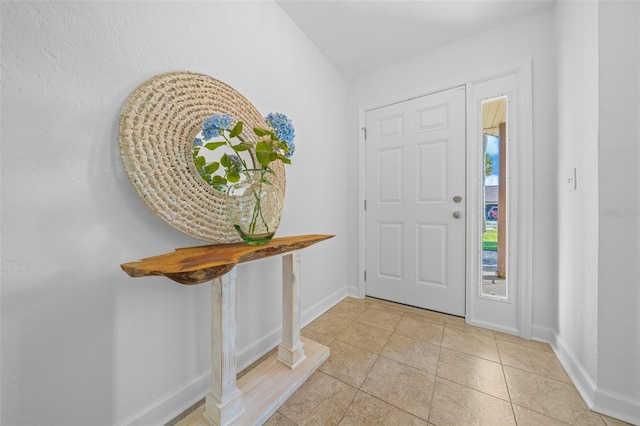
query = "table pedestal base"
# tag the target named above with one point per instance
(266, 387)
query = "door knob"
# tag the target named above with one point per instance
(457, 199)
(457, 214)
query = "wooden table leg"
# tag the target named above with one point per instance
(291, 350)
(224, 402)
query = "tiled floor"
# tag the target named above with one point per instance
(395, 365)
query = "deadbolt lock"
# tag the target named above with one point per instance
(457, 199)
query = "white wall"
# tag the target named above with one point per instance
(576, 25)
(598, 335)
(529, 37)
(619, 208)
(82, 343)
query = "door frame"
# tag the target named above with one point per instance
(523, 186)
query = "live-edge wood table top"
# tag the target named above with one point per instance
(196, 265)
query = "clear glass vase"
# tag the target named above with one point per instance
(255, 206)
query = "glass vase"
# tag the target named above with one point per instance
(255, 206)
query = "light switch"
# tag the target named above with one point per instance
(570, 180)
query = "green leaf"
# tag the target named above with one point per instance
(243, 146)
(261, 132)
(212, 167)
(263, 153)
(233, 176)
(285, 160)
(224, 161)
(262, 146)
(236, 130)
(200, 161)
(218, 180)
(213, 145)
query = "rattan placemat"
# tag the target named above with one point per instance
(157, 126)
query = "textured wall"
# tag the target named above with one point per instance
(82, 343)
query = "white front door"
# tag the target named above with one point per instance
(415, 202)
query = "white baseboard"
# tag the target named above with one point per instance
(172, 404)
(579, 375)
(175, 402)
(543, 334)
(617, 406)
(353, 292)
(491, 326)
(597, 399)
(322, 306)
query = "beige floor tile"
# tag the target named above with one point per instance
(532, 360)
(550, 397)
(424, 315)
(526, 417)
(278, 420)
(316, 337)
(416, 353)
(456, 320)
(470, 343)
(356, 301)
(387, 306)
(400, 386)
(348, 309)
(461, 325)
(524, 342)
(413, 309)
(427, 331)
(403, 386)
(321, 400)
(379, 318)
(477, 373)
(454, 405)
(365, 336)
(348, 363)
(368, 410)
(328, 324)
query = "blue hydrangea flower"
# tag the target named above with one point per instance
(214, 126)
(197, 142)
(292, 149)
(282, 127)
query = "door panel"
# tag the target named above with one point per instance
(415, 165)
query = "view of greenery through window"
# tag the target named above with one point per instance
(494, 274)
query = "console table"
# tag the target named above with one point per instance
(259, 393)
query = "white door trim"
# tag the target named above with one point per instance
(522, 70)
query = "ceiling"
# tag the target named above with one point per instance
(494, 113)
(359, 36)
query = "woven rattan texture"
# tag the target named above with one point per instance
(157, 126)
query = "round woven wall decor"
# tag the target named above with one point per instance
(157, 126)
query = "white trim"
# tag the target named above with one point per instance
(163, 409)
(520, 206)
(580, 377)
(597, 398)
(616, 405)
(361, 197)
(523, 70)
(525, 198)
